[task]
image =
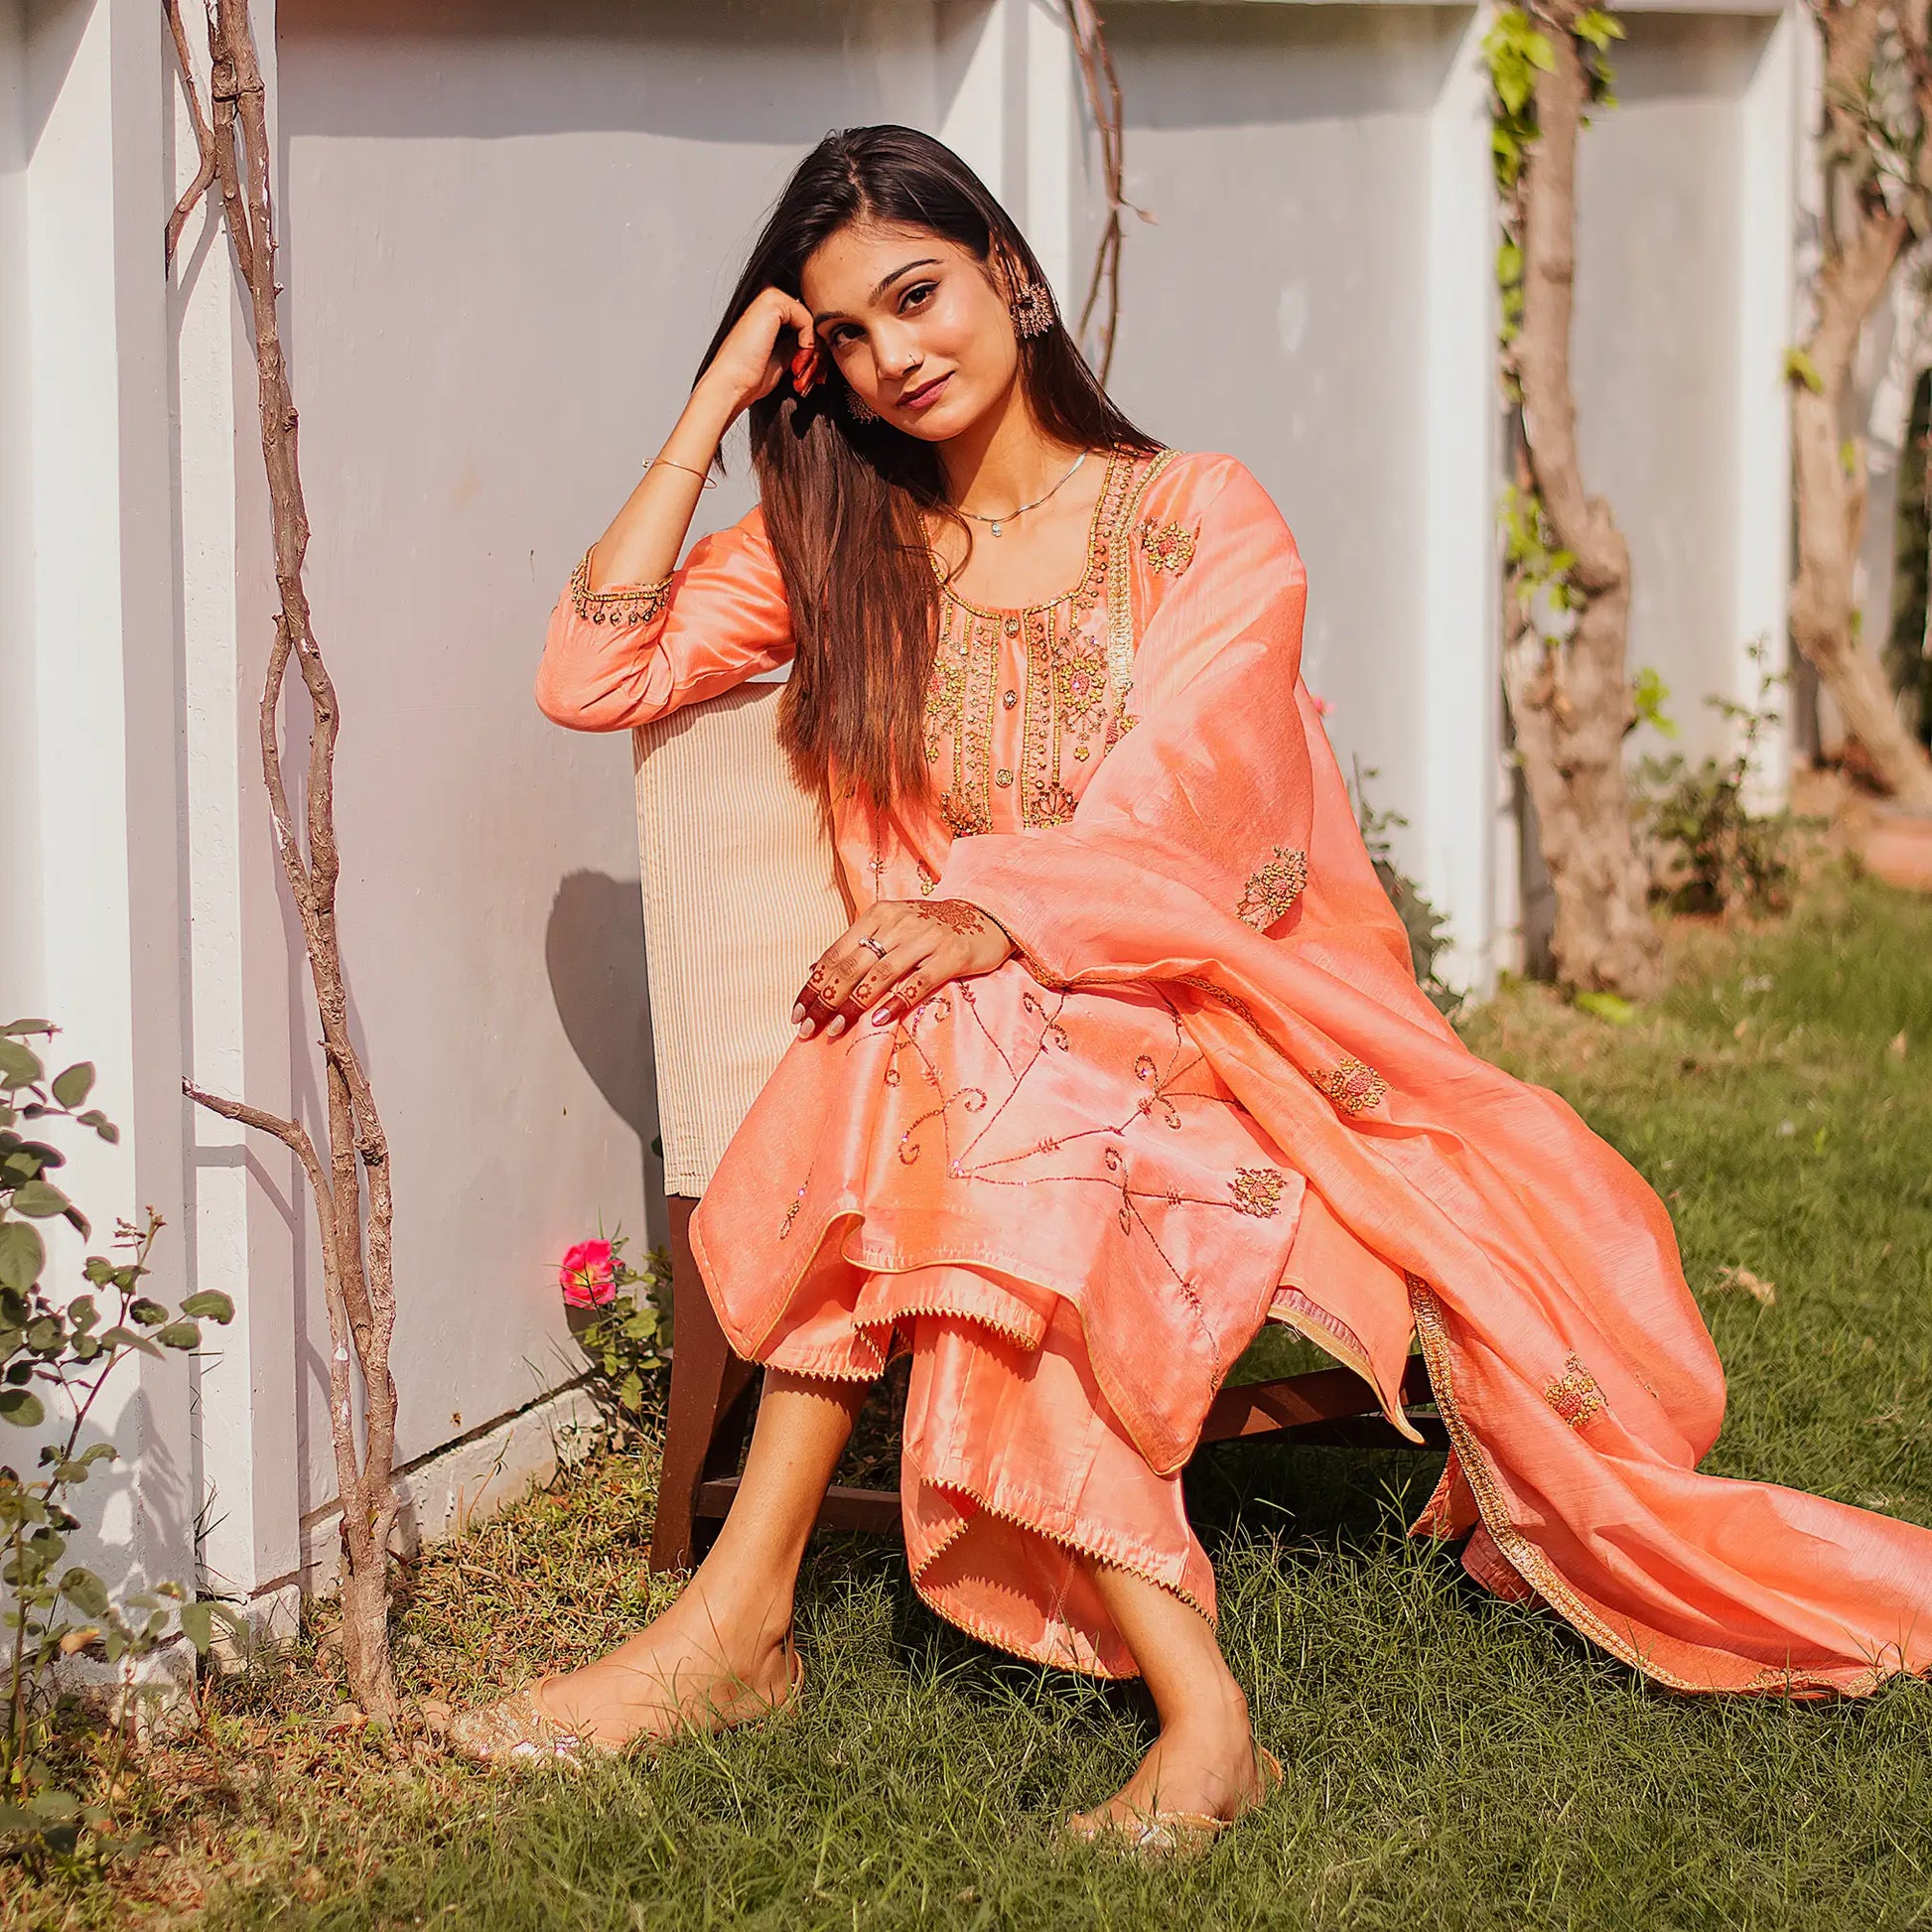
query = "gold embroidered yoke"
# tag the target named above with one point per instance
(1025, 702)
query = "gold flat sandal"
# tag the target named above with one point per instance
(518, 1730)
(1176, 1834)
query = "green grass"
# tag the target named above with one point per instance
(1452, 1762)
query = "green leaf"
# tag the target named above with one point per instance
(22, 1406)
(85, 1592)
(82, 1313)
(102, 1125)
(28, 1027)
(179, 1335)
(119, 1338)
(73, 1084)
(198, 1621)
(210, 1304)
(19, 1067)
(1607, 1005)
(147, 1311)
(40, 1198)
(22, 1255)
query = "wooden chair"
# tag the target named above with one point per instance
(741, 895)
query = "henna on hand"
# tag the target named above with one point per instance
(955, 915)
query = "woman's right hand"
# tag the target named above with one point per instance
(645, 539)
(759, 351)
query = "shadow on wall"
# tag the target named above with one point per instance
(593, 954)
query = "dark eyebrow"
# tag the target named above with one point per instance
(925, 261)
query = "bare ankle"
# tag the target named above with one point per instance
(749, 1620)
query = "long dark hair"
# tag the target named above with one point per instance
(844, 503)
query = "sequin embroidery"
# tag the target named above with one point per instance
(1574, 1395)
(1353, 1086)
(1274, 887)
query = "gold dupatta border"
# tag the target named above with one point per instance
(1530, 1563)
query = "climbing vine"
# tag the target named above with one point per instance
(1515, 49)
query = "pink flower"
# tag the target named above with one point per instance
(588, 1275)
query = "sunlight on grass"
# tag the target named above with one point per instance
(1452, 1760)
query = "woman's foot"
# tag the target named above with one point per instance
(690, 1669)
(1203, 1772)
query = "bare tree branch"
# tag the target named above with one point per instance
(356, 1249)
(203, 138)
(1104, 104)
(1873, 147)
(1565, 671)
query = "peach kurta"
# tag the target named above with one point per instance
(1207, 1091)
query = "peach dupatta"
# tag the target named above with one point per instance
(1579, 1382)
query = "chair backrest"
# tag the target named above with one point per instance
(740, 896)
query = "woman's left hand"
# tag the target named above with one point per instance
(894, 956)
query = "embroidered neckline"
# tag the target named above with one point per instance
(1108, 508)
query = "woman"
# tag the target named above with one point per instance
(1122, 1054)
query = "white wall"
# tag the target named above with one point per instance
(1313, 296)
(1660, 293)
(504, 253)
(506, 234)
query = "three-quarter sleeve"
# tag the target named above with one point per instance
(628, 654)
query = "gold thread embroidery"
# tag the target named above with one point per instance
(618, 604)
(1353, 1086)
(1166, 546)
(1574, 1395)
(1040, 733)
(969, 805)
(792, 1214)
(1120, 597)
(1273, 888)
(1258, 1191)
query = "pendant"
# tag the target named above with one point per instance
(996, 529)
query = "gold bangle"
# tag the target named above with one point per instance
(703, 475)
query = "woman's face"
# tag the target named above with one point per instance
(916, 326)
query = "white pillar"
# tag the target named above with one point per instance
(1769, 138)
(97, 651)
(1463, 789)
(1053, 132)
(972, 60)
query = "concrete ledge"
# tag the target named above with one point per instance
(443, 1493)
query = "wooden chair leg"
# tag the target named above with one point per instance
(710, 1386)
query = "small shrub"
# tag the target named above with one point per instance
(620, 1327)
(66, 1349)
(1425, 926)
(1709, 853)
